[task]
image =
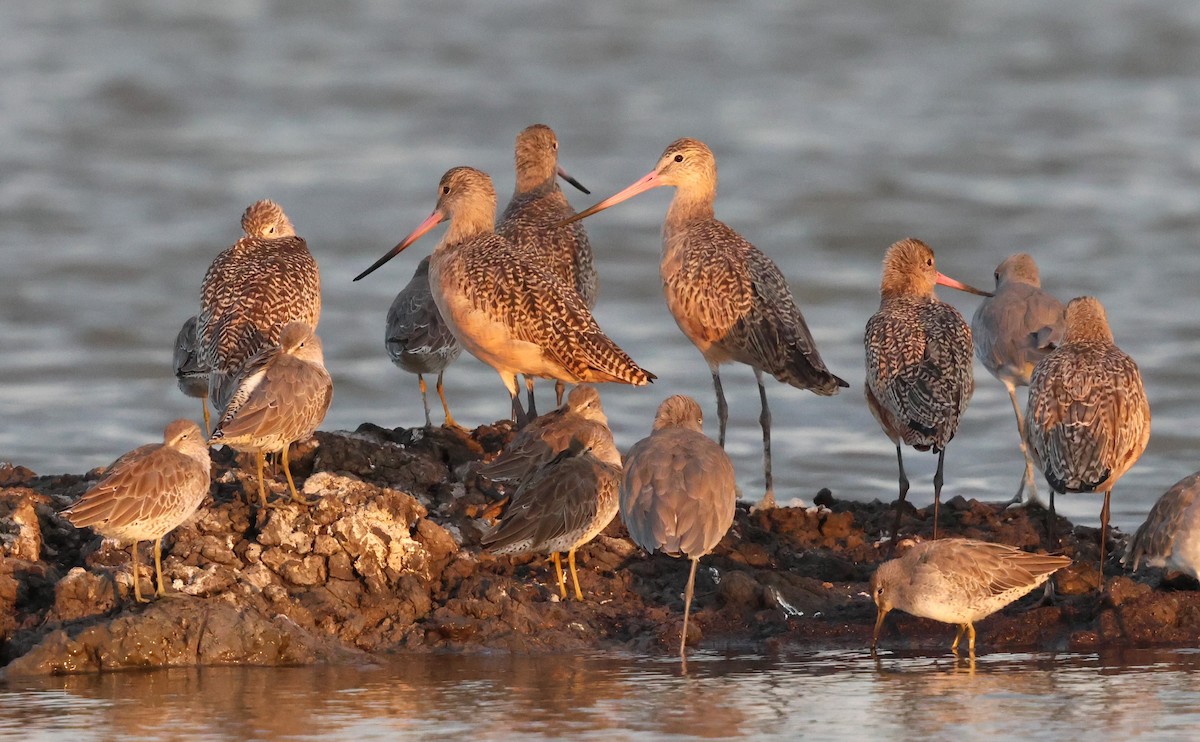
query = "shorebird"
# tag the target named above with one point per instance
(265, 280)
(729, 298)
(919, 376)
(147, 493)
(1013, 330)
(506, 309)
(1170, 537)
(280, 397)
(958, 581)
(418, 340)
(1088, 419)
(190, 374)
(679, 491)
(564, 504)
(529, 220)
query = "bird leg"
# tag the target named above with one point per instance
(1104, 534)
(574, 576)
(450, 423)
(287, 470)
(262, 489)
(971, 638)
(1051, 523)
(687, 605)
(903, 494)
(518, 414)
(529, 391)
(764, 420)
(207, 420)
(158, 567)
(962, 627)
(937, 490)
(137, 578)
(562, 583)
(722, 407)
(559, 389)
(1028, 480)
(424, 399)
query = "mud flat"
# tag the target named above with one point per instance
(388, 561)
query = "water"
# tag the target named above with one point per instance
(135, 133)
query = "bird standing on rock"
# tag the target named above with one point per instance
(506, 309)
(147, 493)
(729, 298)
(919, 375)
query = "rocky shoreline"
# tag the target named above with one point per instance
(388, 560)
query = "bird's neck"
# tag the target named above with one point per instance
(470, 223)
(690, 205)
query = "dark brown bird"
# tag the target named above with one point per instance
(505, 309)
(919, 375)
(729, 298)
(530, 222)
(1088, 419)
(190, 374)
(147, 493)
(265, 280)
(418, 340)
(1013, 330)
(679, 491)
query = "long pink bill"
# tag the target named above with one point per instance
(641, 186)
(567, 177)
(948, 281)
(426, 225)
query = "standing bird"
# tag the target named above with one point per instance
(529, 222)
(265, 280)
(564, 504)
(959, 581)
(1170, 537)
(190, 374)
(729, 298)
(418, 340)
(147, 493)
(280, 397)
(1013, 330)
(1088, 419)
(919, 376)
(679, 490)
(504, 307)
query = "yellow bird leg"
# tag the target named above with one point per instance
(562, 583)
(574, 577)
(158, 567)
(137, 579)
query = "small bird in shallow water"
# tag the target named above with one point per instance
(729, 298)
(418, 340)
(280, 397)
(1170, 537)
(1087, 420)
(564, 504)
(265, 280)
(190, 374)
(958, 581)
(919, 375)
(147, 493)
(1013, 330)
(679, 492)
(530, 221)
(505, 309)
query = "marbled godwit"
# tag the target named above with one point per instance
(919, 376)
(564, 504)
(265, 280)
(679, 490)
(729, 298)
(147, 493)
(958, 581)
(416, 338)
(280, 397)
(1170, 537)
(1014, 330)
(529, 221)
(505, 309)
(190, 374)
(1087, 420)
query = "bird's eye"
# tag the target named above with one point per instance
(678, 158)
(997, 275)
(270, 230)
(929, 262)
(555, 146)
(445, 190)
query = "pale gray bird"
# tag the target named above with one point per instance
(1013, 330)
(1170, 537)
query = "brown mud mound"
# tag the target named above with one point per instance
(388, 559)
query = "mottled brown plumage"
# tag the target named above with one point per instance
(1087, 419)
(1170, 537)
(147, 493)
(563, 504)
(417, 339)
(1013, 330)
(280, 397)
(265, 280)
(729, 298)
(918, 358)
(190, 373)
(679, 491)
(505, 309)
(958, 581)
